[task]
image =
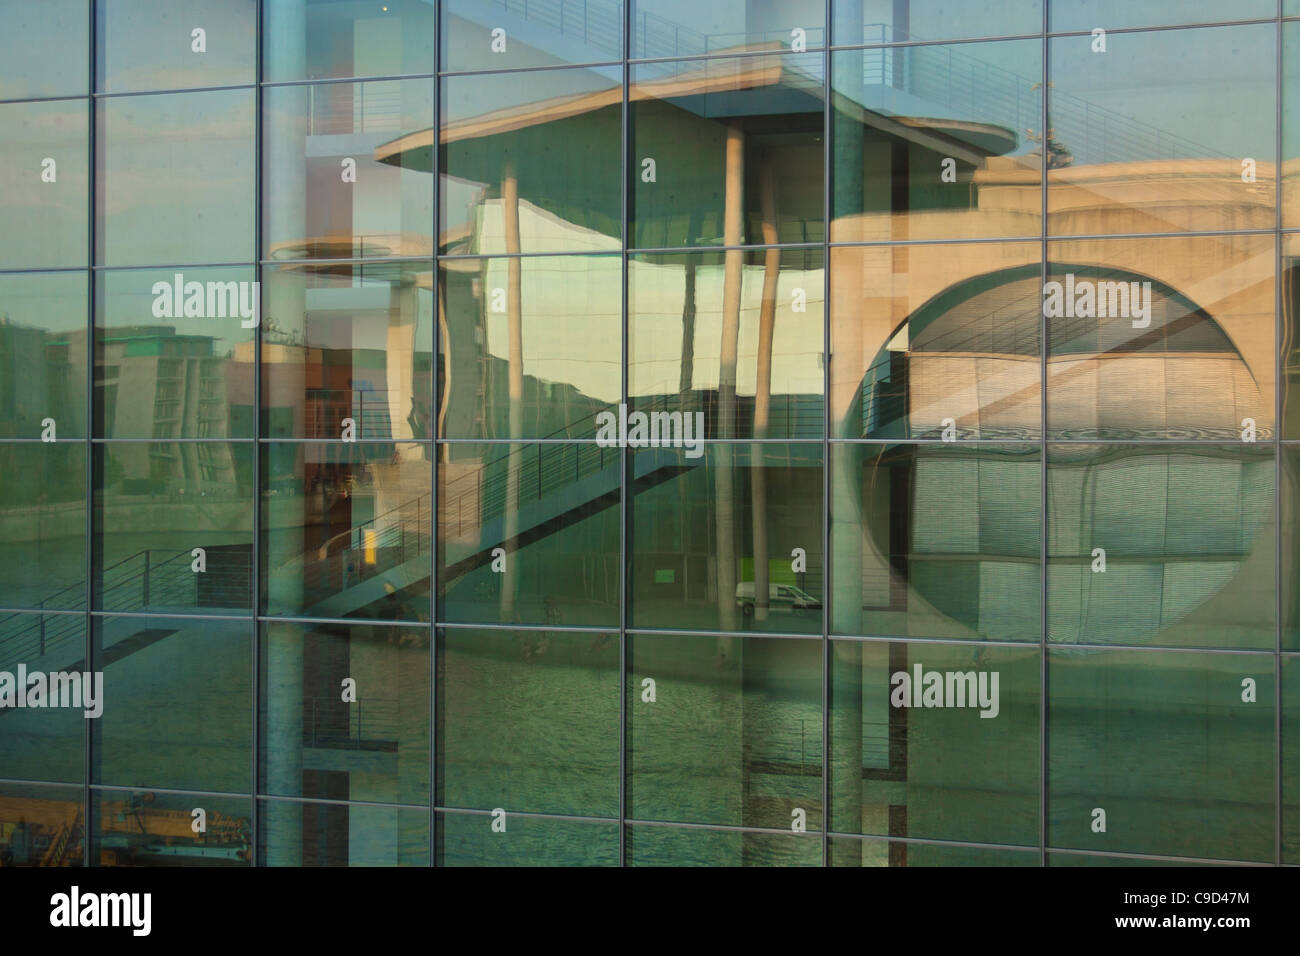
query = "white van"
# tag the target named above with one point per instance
(780, 597)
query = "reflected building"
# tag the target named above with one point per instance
(989, 335)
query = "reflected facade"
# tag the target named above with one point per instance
(630, 433)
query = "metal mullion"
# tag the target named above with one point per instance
(255, 834)
(436, 446)
(625, 459)
(826, 433)
(1044, 119)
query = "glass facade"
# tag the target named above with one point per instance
(649, 432)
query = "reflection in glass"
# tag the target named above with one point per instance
(352, 341)
(509, 35)
(346, 530)
(46, 743)
(936, 540)
(315, 39)
(31, 30)
(342, 176)
(44, 195)
(935, 340)
(676, 28)
(529, 534)
(937, 142)
(174, 178)
(735, 335)
(42, 527)
(727, 151)
(530, 162)
(1290, 759)
(1186, 539)
(1289, 554)
(528, 720)
(734, 736)
(713, 538)
(143, 828)
(532, 346)
(155, 503)
(962, 767)
(305, 833)
(177, 700)
(1165, 745)
(174, 353)
(468, 839)
(345, 712)
(1153, 135)
(885, 21)
(41, 826)
(1290, 344)
(854, 851)
(1161, 338)
(43, 354)
(1086, 14)
(174, 44)
(674, 846)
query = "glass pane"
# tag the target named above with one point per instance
(1060, 858)
(294, 833)
(714, 530)
(1069, 15)
(935, 741)
(314, 39)
(513, 33)
(528, 721)
(41, 826)
(1161, 545)
(175, 178)
(532, 346)
(529, 534)
(1289, 556)
(143, 828)
(347, 170)
(174, 44)
(937, 142)
(188, 373)
(345, 712)
(174, 527)
(727, 151)
(851, 851)
(1161, 338)
(936, 540)
(1163, 744)
(1154, 134)
(672, 28)
(348, 341)
(346, 530)
(725, 730)
(178, 703)
(936, 341)
(474, 839)
(762, 309)
(530, 162)
(1289, 276)
(674, 846)
(884, 21)
(32, 31)
(43, 355)
(44, 197)
(1290, 760)
(44, 739)
(42, 526)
